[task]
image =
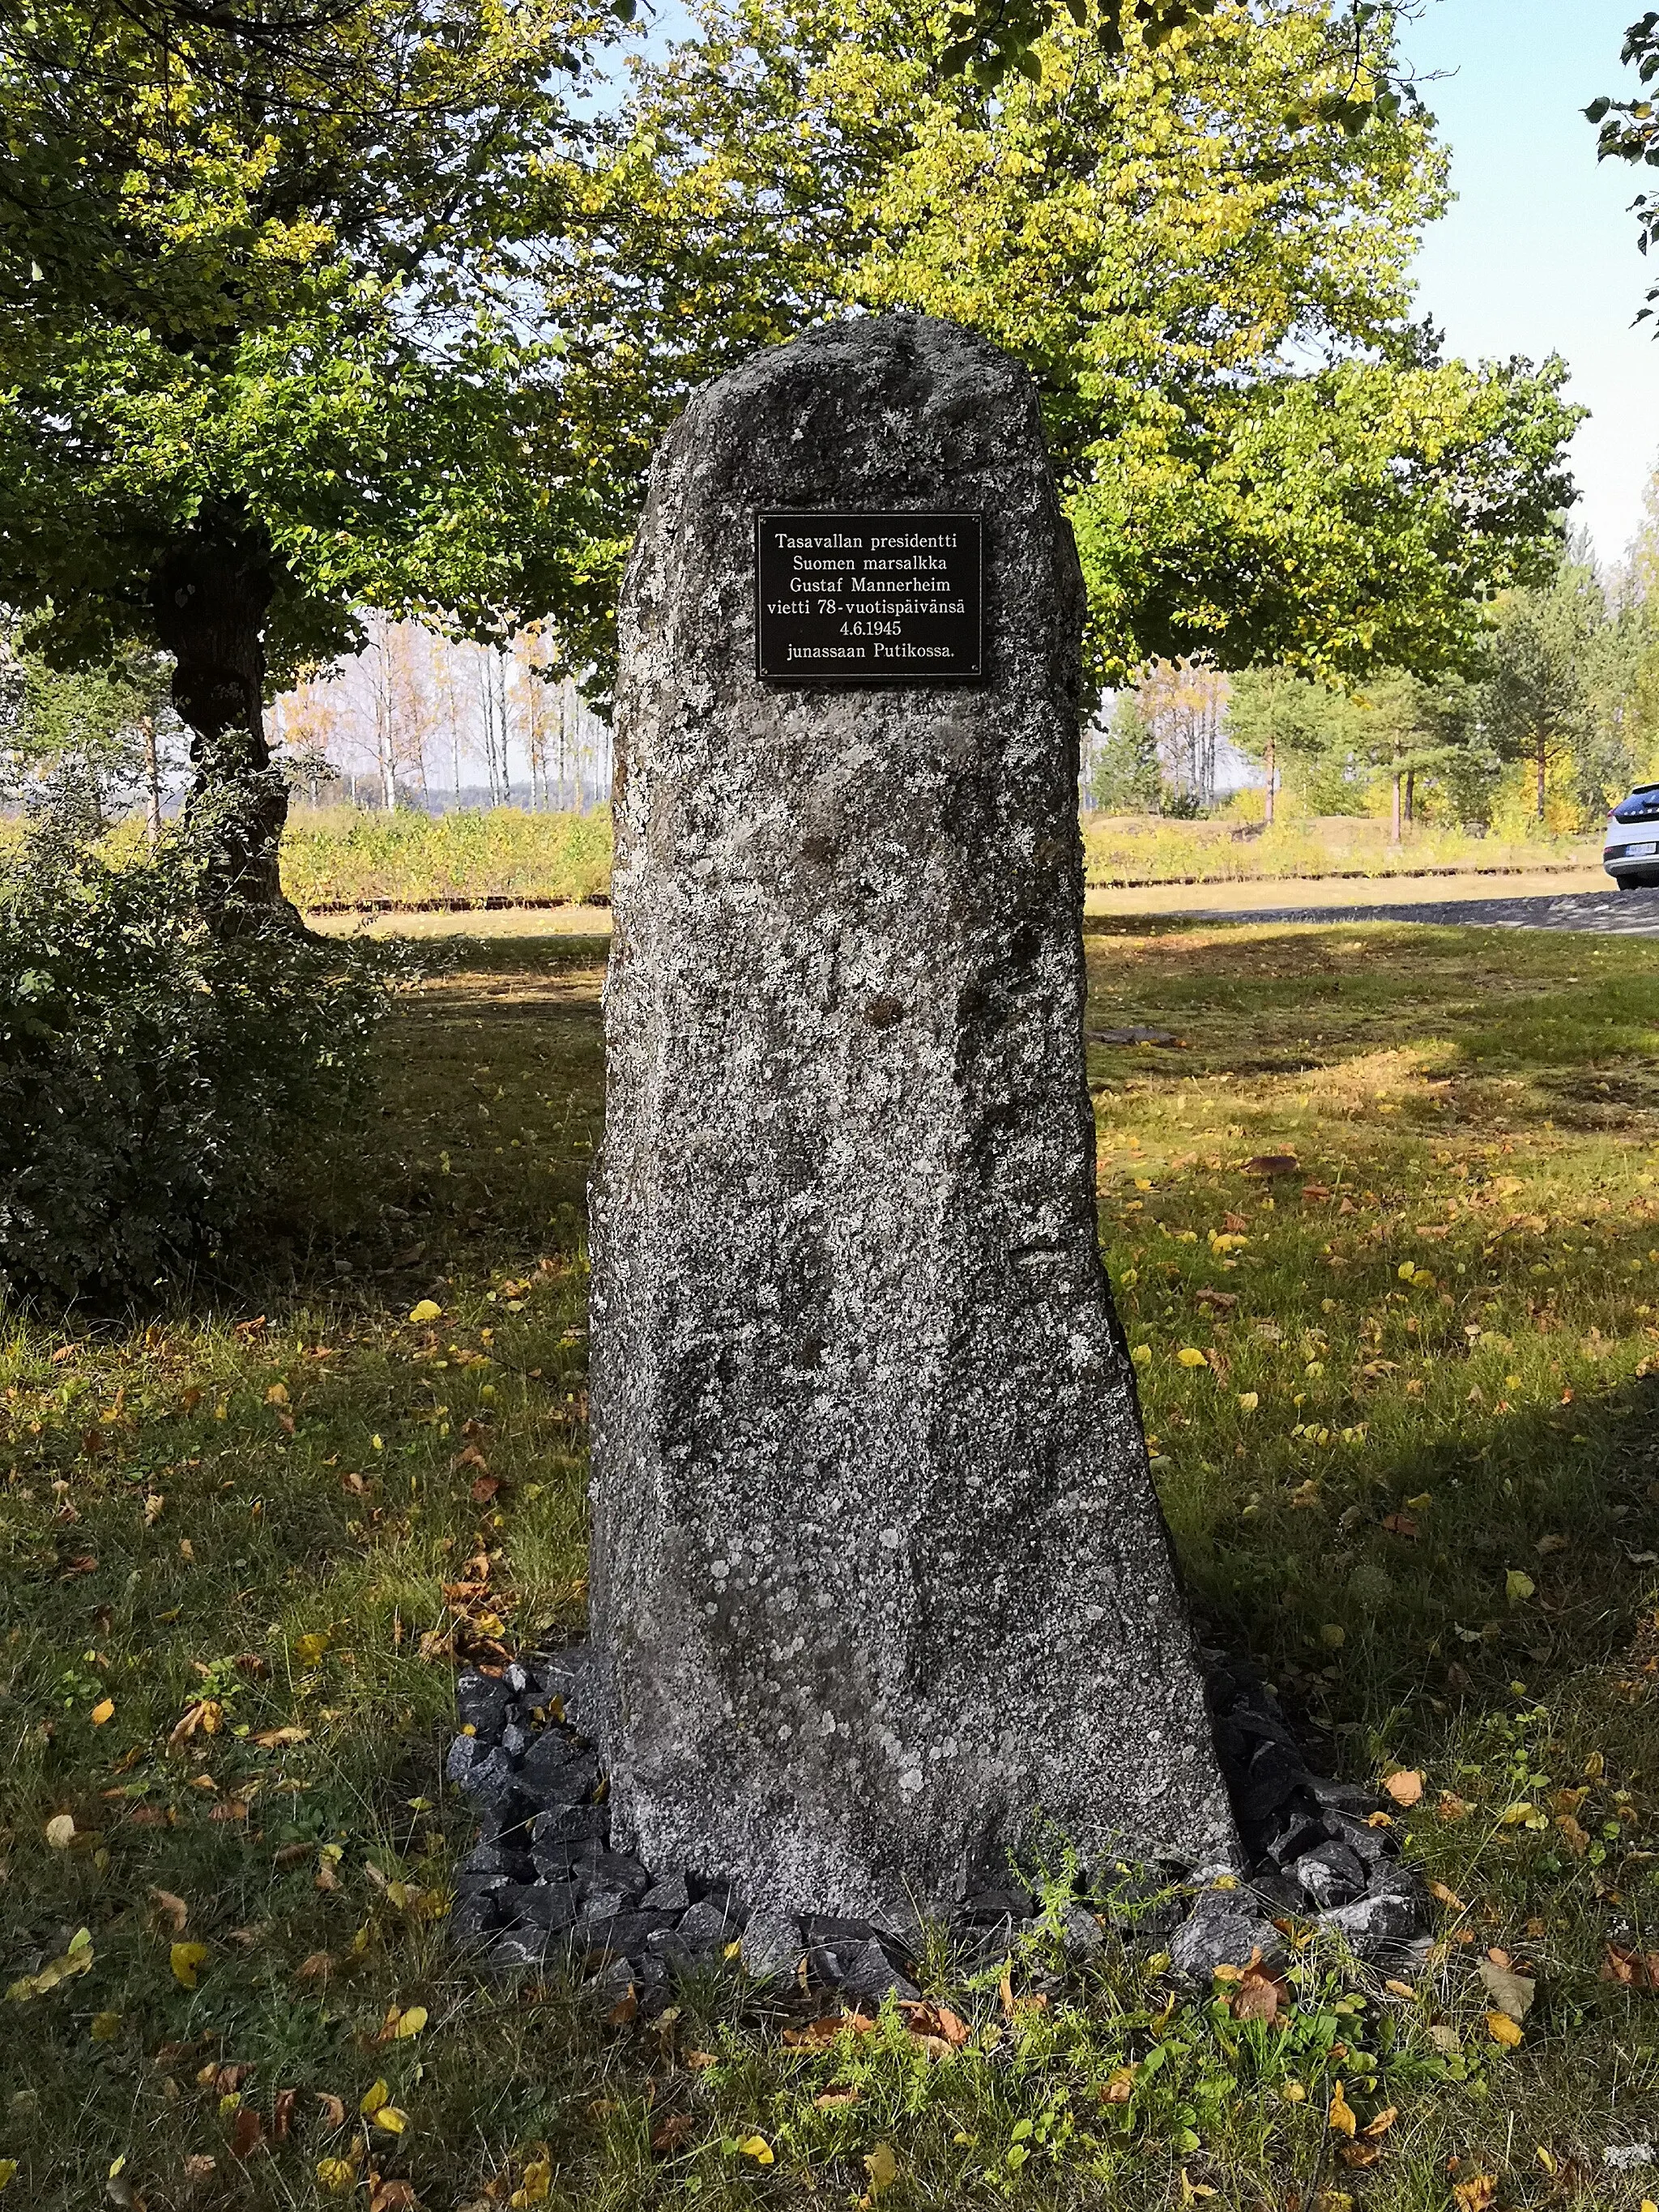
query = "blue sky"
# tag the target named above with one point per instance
(1539, 255)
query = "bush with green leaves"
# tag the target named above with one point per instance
(156, 1080)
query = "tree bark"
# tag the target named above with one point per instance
(1410, 796)
(208, 598)
(152, 783)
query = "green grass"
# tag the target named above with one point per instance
(1434, 1527)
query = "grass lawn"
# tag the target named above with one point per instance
(1413, 1471)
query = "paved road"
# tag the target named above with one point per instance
(1609, 914)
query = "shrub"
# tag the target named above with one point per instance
(154, 1079)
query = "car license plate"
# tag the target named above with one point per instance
(1639, 852)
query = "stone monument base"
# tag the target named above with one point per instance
(543, 1884)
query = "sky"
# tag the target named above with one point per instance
(1538, 254)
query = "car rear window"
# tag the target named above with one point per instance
(1640, 806)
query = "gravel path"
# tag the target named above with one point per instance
(1606, 914)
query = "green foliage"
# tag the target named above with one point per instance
(255, 284)
(1124, 772)
(155, 1081)
(1330, 747)
(91, 721)
(1163, 236)
(1629, 130)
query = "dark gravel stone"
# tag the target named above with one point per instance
(542, 1904)
(574, 1826)
(1273, 1773)
(1375, 1846)
(669, 1893)
(518, 1948)
(1222, 1929)
(1294, 1829)
(628, 1932)
(515, 1740)
(1396, 1912)
(1081, 1936)
(824, 1928)
(772, 1944)
(617, 1870)
(472, 1915)
(705, 1928)
(482, 1702)
(571, 1782)
(853, 1348)
(867, 1972)
(1330, 1875)
(494, 1858)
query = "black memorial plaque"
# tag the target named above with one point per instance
(869, 599)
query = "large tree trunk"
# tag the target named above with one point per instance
(209, 597)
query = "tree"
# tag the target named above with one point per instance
(1122, 771)
(1536, 704)
(108, 726)
(263, 360)
(1264, 458)
(1334, 744)
(1629, 131)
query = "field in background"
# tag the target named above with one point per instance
(346, 857)
(1146, 849)
(1397, 1384)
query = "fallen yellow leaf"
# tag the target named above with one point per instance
(758, 2148)
(105, 2026)
(536, 2187)
(376, 2094)
(184, 1960)
(8, 2170)
(308, 1650)
(1340, 2118)
(411, 2022)
(337, 2175)
(1501, 2029)
(426, 1309)
(75, 1960)
(103, 1710)
(60, 1831)
(390, 2118)
(882, 2167)
(1190, 1356)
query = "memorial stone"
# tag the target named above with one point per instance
(880, 1588)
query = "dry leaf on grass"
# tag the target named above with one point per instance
(172, 1908)
(1501, 2029)
(1633, 1970)
(1405, 1788)
(1340, 2118)
(671, 2130)
(1511, 1992)
(1476, 2194)
(246, 2133)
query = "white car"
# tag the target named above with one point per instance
(1631, 854)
